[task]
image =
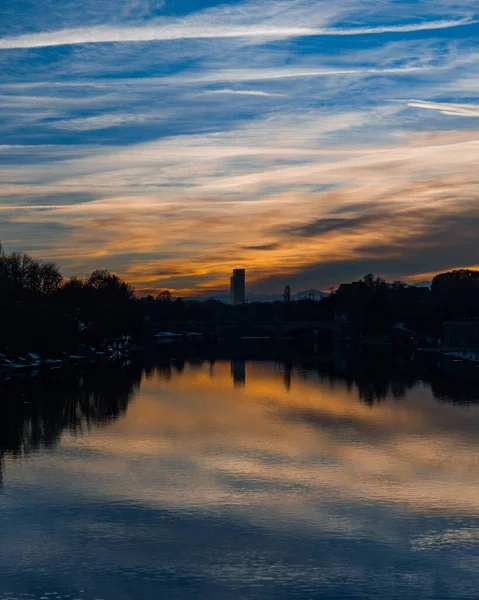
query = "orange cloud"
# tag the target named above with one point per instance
(370, 202)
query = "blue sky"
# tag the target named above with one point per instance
(308, 141)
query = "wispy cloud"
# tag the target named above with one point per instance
(243, 92)
(264, 121)
(101, 122)
(294, 72)
(177, 30)
(448, 108)
(385, 195)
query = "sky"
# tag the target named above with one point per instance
(308, 141)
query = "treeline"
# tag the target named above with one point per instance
(166, 308)
(42, 311)
(370, 304)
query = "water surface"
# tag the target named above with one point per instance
(238, 479)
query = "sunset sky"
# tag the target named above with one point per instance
(308, 141)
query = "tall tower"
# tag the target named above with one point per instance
(237, 287)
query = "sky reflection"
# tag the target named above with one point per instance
(223, 424)
(234, 478)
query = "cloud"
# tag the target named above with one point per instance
(397, 205)
(448, 108)
(325, 225)
(272, 246)
(243, 92)
(142, 8)
(175, 29)
(99, 122)
(258, 74)
(296, 149)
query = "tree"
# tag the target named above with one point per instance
(398, 285)
(457, 281)
(50, 278)
(287, 294)
(22, 276)
(369, 280)
(164, 296)
(374, 283)
(109, 286)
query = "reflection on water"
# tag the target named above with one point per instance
(34, 411)
(215, 478)
(238, 372)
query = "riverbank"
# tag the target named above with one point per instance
(35, 362)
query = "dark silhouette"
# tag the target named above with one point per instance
(42, 312)
(35, 411)
(102, 305)
(23, 278)
(456, 282)
(164, 296)
(238, 372)
(237, 287)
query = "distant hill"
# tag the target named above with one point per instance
(422, 284)
(316, 294)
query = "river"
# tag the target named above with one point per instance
(239, 479)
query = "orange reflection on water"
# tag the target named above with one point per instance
(234, 436)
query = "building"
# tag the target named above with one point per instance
(237, 287)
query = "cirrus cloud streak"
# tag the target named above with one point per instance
(180, 31)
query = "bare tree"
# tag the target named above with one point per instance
(21, 273)
(165, 296)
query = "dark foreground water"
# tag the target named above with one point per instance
(228, 480)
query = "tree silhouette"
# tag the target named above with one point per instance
(164, 296)
(458, 281)
(62, 401)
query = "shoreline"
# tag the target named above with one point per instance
(31, 362)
